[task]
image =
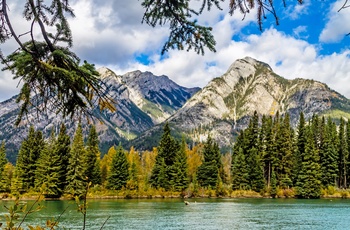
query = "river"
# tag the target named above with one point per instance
(166, 214)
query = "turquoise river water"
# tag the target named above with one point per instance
(166, 214)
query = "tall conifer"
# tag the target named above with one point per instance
(211, 168)
(119, 170)
(92, 158)
(76, 179)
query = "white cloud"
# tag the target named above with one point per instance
(337, 26)
(109, 33)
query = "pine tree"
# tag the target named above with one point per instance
(285, 149)
(309, 178)
(47, 172)
(239, 168)
(27, 158)
(106, 163)
(179, 170)
(329, 154)
(47, 68)
(76, 179)
(62, 149)
(211, 167)
(119, 172)
(301, 142)
(266, 147)
(92, 158)
(253, 157)
(343, 154)
(162, 175)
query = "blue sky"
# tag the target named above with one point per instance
(310, 42)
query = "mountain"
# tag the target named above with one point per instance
(224, 106)
(142, 101)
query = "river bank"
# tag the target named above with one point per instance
(98, 193)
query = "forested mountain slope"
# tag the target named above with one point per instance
(225, 105)
(142, 100)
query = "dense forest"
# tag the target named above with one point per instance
(269, 158)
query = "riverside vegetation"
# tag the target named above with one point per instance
(269, 159)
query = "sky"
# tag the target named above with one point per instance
(310, 42)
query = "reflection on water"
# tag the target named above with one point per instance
(200, 214)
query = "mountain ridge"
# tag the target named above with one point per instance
(220, 109)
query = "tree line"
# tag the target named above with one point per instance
(269, 155)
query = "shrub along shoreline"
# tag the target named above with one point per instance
(98, 193)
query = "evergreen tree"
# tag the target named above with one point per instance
(47, 172)
(266, 147)
(329, 154)
(273, 188)
(6, 178)
(179, 170)
(301, 142)
(162, 174)
(239, 170)
(119, 170)
(211, 167)
(309, 181)
(285, 149)
(3, 159)
(343, 154)
(253, 157)
(47, 67)
(76, 180)
(62, 150)
(92, 158)
(27, 158)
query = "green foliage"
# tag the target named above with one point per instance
(92, 158)
(179, 170)
(27, 158)
(47, 171)
(76, 180)
(165, 173)
(309, 184)
(211, 168)
(62, 149)
(183, 32)
(51, 72)
(119, 170)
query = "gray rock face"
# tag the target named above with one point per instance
(142, 101)
(224, 106)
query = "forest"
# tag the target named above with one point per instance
(270, 158)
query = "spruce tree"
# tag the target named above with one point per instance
(179, 170)
(47, 172)
(119, 170)
(27, 158)
(343, 154)
(62, 150)
(239, 170)
(92, 158)
(285, 149)
(266, 147)
(211, 167)
(300, 142)
(329, 154)
(253, 156)
(309, 178)
(162, 175)
(76, 180)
